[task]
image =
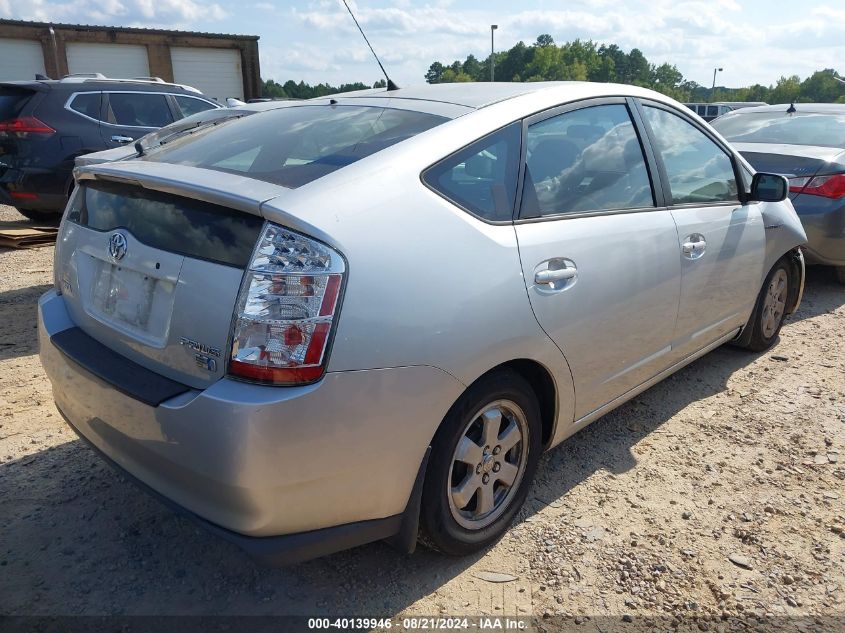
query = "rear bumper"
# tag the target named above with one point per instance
(49, 185)
(824, 222)
(257, 462)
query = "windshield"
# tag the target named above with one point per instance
(295, 145)
(800, 128)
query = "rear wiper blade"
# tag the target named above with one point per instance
(157, 139)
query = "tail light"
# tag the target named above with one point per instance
(25, 125)
(23, 195)
(832, 186)
(286, 309)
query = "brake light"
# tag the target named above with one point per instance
(286, 309)
(23, 195)
(25, 125)
(831, 186)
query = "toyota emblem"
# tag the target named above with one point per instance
(117, 246)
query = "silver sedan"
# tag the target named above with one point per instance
(365, 317)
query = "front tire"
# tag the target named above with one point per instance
(770, 309)
(483, 460)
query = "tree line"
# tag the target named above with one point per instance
(292, 90)
(582, 60)
(587, 61)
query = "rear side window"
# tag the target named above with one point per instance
(189, 105)
(698, 169)
(139, 109)
(585, 160)
(482, 177)
(12, 101)
(87, 104)
(170, 223)
(295, 145)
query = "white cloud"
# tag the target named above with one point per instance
(160, 13)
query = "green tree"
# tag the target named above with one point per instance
(544, 40)
(435, 73)
(472, 67)
(786, 90)
(822, 87)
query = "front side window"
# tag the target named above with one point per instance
(585, 160)
(482, 177)
(138, 109)
(87, 104)
(295, 145)
(699, 171)
(189, 105)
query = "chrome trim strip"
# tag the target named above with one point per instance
(140, 92)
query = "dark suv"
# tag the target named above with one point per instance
(46, 124)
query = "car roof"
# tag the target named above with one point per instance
(85, 84)
(815, 108)
(481, 94)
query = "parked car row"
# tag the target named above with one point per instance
(365, 317)
(46, 124)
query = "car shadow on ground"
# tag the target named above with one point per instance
(18, 309)
(78, 539)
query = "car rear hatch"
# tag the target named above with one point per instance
(150, 262)
(13, 100)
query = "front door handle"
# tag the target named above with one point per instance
(551, 276)
(693, 246)
(119, 138)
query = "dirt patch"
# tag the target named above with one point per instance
(717, 493)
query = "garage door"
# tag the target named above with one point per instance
(120, 61)
(214, 71)
(20, 59)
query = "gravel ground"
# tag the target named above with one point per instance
(717, 494)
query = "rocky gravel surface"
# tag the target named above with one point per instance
(715, 498)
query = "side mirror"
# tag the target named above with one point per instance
(769, 188)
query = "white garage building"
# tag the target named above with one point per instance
(221, 66)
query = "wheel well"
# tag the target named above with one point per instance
(543, 385)
(794, 268)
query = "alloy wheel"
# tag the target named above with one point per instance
(488, 464)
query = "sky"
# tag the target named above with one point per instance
(754, 41)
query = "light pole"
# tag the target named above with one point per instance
(713, 88)
(493, 28)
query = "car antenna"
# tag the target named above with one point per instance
(791, 109)
(390, 84)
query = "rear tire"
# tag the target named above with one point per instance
(483, 461)
(840, 274)
(42, 217)
(770, 309)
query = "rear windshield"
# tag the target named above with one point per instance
(12, 101)
(170, 223)
(800, 128)
(293, 146)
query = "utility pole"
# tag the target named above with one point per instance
(493, 27)
(713, 88)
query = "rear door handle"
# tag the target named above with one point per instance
(692, 247)
(118, 138)
(550, 276)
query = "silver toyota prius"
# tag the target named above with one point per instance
(365, 317)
